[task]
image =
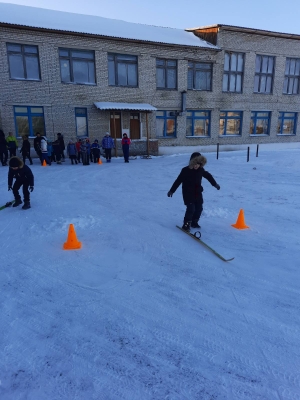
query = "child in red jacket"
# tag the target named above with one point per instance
(125, 146)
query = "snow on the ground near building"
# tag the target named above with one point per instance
(143, 311)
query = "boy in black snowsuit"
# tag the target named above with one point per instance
(191, 177)
(37, 146)
(23, 176)
(25, 150)
(3, 149)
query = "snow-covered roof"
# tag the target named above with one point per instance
(89, 24)
(124, 106)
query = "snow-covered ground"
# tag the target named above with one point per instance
(143, 311)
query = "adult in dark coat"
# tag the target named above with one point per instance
(25, 150)
(191, 178)
(23, 176)
(57, 150)
(3, 149)
(62, 145)
(37, 146)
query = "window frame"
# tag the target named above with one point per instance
(231, 72)
(194, 69)
(193, 118)
(165, 67)
(126, 62)
(77, 114)
(23, 54)
(264, 74)
(71, 58)
(165, 117)
(289, 76)
(255, 118)
(281, 120)
(29, 115)
(226, 118)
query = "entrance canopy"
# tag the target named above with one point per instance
(124, 106)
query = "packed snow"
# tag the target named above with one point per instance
(143, 311)
(65, 21)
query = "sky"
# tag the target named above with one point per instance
(273, 15)
(142, 311)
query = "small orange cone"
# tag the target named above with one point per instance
(99, 162)
(44, 163)
(240, 222)
(72, 242)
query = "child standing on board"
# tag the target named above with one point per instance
(191, 178)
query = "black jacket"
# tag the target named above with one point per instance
(25, 147)
(3, 144)
(37, 144)
(191, 180)
(23, 174)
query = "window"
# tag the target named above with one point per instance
(198, 123)
(292, 73)
(122, 70)
(233, 72)
(77, 66)
(23, 62)
(287, 123)
(165, 124)
(29, 121)
(199, 76)
(260, 123)
(81, 122)
(166, 74)
(264, 71)
(230, 123)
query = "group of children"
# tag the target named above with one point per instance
(190, 178)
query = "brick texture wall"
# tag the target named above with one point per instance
(59, 100)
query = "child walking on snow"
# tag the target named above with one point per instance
(191, 178)
(23, 176)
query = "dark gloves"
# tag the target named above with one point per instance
(170, 194)
(9, 188)
(31, 188)
(217, 187)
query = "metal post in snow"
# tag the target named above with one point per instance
(257, 150)
(248, 153)
(115, 133)
(147, 134)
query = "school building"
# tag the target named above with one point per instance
(166, 88)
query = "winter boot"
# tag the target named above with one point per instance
(195, 224)
(17, 203)
(186, 226)
(26, 205)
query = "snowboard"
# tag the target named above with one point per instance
(197, 236)
(8, 204)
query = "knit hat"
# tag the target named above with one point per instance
(15, 162)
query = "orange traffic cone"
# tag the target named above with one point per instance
(72, 242)
(44, 163)
(240, 222)
(99, 162)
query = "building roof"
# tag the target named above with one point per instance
(242, 29)
(40, 18)
(124, 106)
